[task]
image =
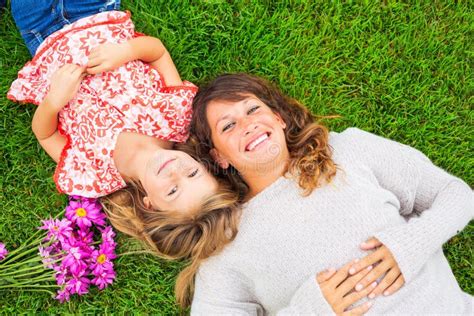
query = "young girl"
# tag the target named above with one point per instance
(110, 105)
(312, 198)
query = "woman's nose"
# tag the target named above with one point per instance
(249, 127)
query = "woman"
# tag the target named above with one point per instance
(311, 198)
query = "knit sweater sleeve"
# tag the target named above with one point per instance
(221, 291)
(445, 203)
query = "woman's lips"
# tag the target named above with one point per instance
(257, 141)
(166, 163)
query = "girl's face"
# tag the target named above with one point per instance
(246, 134)
(174, 181)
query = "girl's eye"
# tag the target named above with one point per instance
(193, 173)
(173, 190)
(253, 109)
(227, 126)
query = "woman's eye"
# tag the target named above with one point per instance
(253, 109)
(173, 190)
(193, 173)
(227, 126)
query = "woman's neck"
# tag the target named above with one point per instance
(264, 175)
(132, 151)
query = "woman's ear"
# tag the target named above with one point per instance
(147, 202)
(280, 120)
(223, 163)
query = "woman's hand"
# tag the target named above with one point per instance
(338, 289)
(64, 85)
(384, 263)
(109, 56)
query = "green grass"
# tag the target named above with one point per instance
(401, 71)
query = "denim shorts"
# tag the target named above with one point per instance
(37, 19)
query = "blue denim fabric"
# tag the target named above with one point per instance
(37, 19)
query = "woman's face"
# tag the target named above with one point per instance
(246, 134)
(174, 181)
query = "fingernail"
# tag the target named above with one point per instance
(356, 260)
(358, 287)
(369, 304)
(386, 293)
(331, 270)
(369, 268)
(363, 244)
(352, 271)
(374, 284)
(371, 295)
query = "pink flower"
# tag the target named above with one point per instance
(103, 279)
(108, 236)
(85, 213)
(63, 295)
(78, 284)
(102, 259)
(57, 229)
(46, 253)
(3, 251)
(75, 260)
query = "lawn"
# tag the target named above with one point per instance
(397, 70)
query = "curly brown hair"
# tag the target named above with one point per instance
(307, 141)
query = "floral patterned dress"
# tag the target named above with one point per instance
(132, 98)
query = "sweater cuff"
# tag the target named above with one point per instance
(413, 243)
(308, 300)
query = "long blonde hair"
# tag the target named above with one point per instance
(192, 236)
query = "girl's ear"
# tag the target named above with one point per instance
(223, 163)
(147, 202)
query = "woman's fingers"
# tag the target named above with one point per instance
(387, 280)
(373, 275)
(354, 296)
(359, 310)
(341, 274)
(368, 260)
(92, 62)
(325, 275)
(399, 282)
(348, 284)
(370, 243)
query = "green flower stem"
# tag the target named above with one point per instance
(27, 285)
(15, 258)
(135, 253)
(19, 272)
(30, 282)
(36, 272)
(33, 290)
(19, 264)
(11, 256)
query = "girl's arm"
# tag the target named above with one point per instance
(64, 84)
(151, 50)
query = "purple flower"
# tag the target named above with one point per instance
(63, 295)
(102, 258)
(78, 284)
(46, 253)
(85, 213)
(57, 229)
(103, 279)
(75, 260)
(108, 236)
(3, 251)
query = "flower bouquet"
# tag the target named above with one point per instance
(65, 256)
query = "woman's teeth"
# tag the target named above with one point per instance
(256, 142)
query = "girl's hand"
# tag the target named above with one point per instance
(384, 263)
(108, 56)
(338, 289)
(64, 85)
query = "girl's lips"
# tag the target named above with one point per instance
(166, 163)
(257, 141)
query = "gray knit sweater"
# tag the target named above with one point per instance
(284, 239)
